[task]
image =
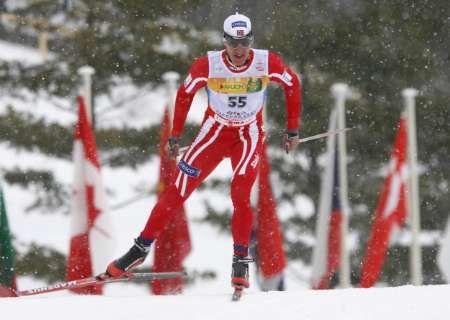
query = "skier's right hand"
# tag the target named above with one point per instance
(174, 147)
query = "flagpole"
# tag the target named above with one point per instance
(409, 95)
(321, 253)
(171, 79)
(341, 92)
(86, 73)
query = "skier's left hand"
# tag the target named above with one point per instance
(174, 147)
(290, 141)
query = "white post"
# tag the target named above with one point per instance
(43, 44)
(171, 78)
(86, 73)
(341, 92)
(409, 95)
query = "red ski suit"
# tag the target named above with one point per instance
(232, 127)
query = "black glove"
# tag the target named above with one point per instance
(290, 141)
(174, 147)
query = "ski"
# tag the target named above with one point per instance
(92, 281)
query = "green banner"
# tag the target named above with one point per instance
(6, 249)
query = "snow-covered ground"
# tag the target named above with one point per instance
(412, 303)
(17, 52)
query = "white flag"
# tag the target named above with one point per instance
(444, 253)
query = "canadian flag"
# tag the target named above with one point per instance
(271, 258)
(391, 209)
(327, 251)
(173, 244)
(91, 245)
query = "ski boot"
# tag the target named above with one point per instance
(240, 275)
(134, 257)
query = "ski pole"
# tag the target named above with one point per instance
(323, 135)
(302, 140)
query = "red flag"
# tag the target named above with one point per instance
(391, 210)
(327, 251)
(174, 244)
(270, 252)
(91, 243)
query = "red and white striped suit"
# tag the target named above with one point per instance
(232, 128)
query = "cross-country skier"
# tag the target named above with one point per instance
(236, 81)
